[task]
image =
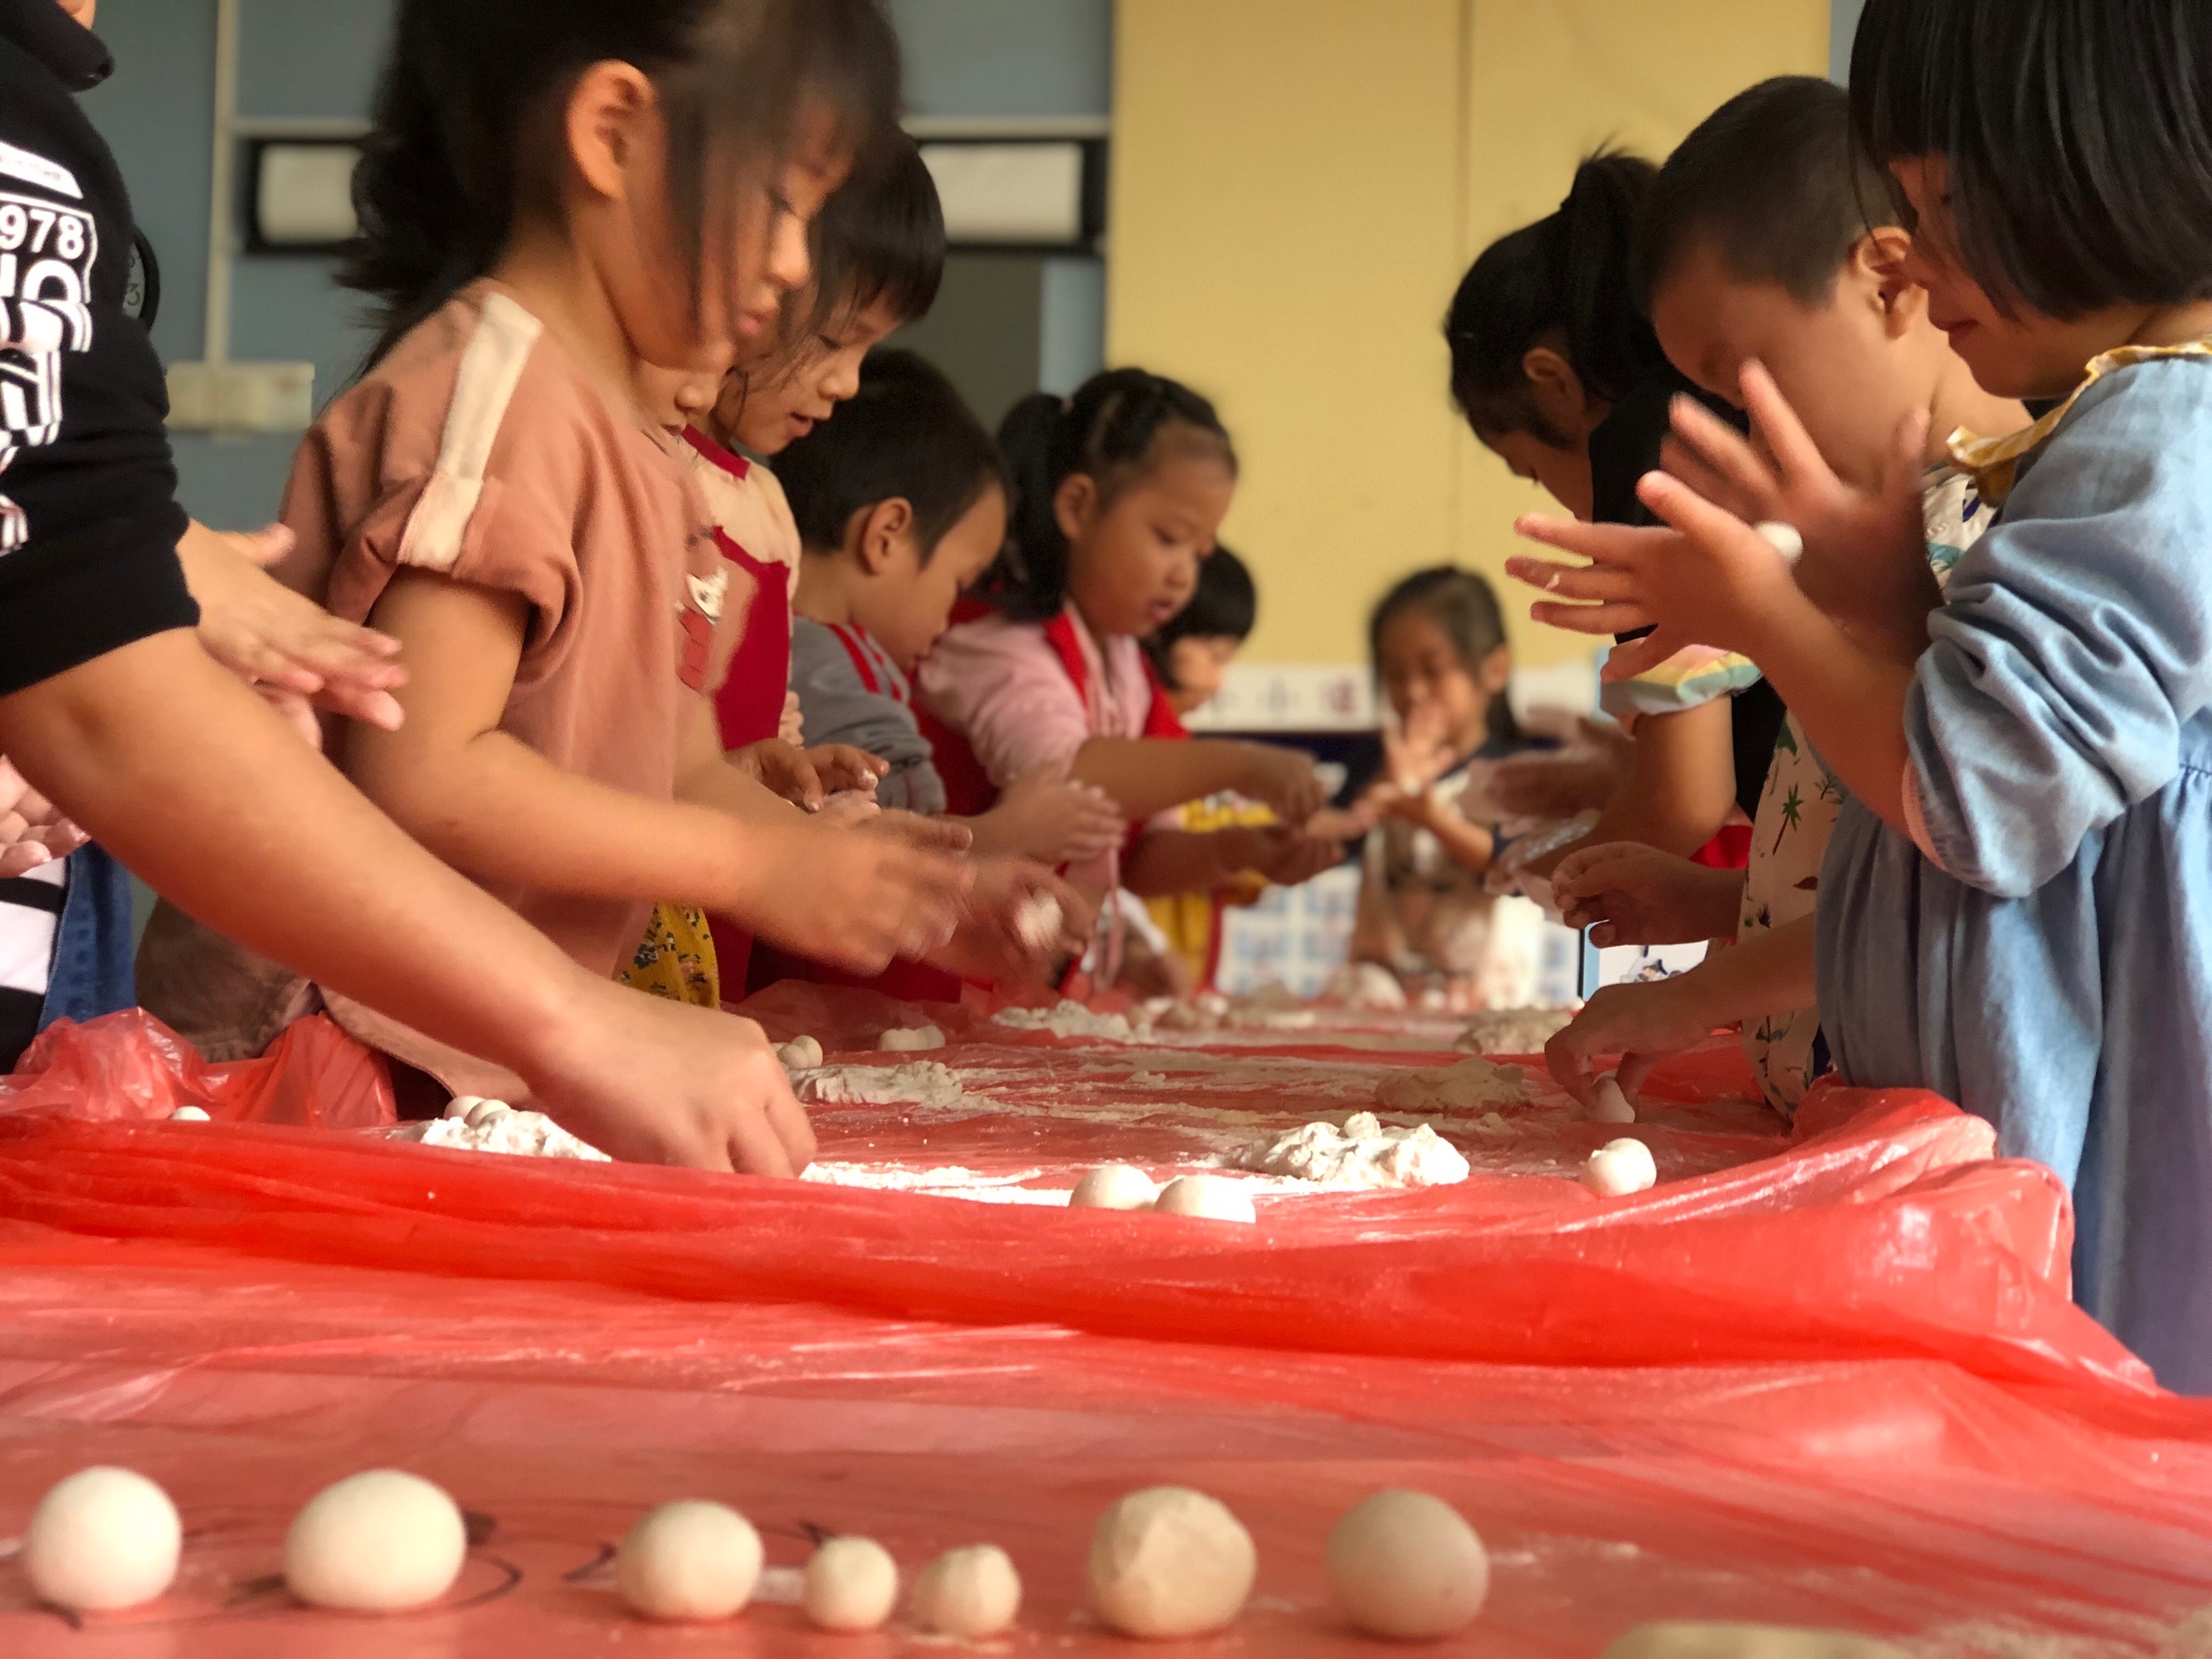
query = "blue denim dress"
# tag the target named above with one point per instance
(92, 969)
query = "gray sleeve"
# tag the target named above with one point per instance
(837, 707)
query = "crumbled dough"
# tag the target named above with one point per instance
(1361, 1154)
(1513, 1030)
(919, 1083)
(1471, 1084)
(493, 1126)
(1068, 1019)
(906, 1039)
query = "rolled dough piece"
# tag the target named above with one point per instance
(1610, 1103)
(1114, 1187)
(852, 1584)
(102, 1539)
(487, 1112)
(1726, 1641)
(801, 1054)
(1169, 1561)
(908, 1039)
(377, 1542)
(1038, 920)
(1210, 1198)
(189, 1115)
(1783, 538)
(969, 1592)
(689, 1560)
(461, 1105)
(1619, 1167)
(1404, 1565)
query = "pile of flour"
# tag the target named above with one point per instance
(1474, 1085)
(1068, 1019)
(1513, 1030)
(1361, 1154)
(522, 1134)
(918, 1083)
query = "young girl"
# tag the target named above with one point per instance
(2015, 908)
(1121, 492)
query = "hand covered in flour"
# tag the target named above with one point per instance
(1022, 922)
(1642, 1024)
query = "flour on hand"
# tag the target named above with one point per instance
(1361, 1154)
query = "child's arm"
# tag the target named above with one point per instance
(1626, 893)
(1165, 861)
(1146, 775)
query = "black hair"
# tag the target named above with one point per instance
(1773, 177)
(881, 239)
(905, 434)
(1110, 430)
(1224, 605)
(2077, 133)
(1562, 280)
(468, 111)
(1463, 604)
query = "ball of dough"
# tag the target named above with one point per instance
(1720, 1641)
(1114, 1187)
(102, 1539)
(852, 1584)
(189, 1115)
(1609, 1102)
(377, 1542)
(1209, 1197)
(488, 1111)
(689, 1560)
(967, 1592)
(1404, 1564)
(1038, 920)
(906, 1039)
(461, 1105)
(801, 1054)
(1783, 538)
(1168, 1561)
(1619, 1167)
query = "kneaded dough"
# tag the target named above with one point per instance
(1619, 1167)
(689, 1560)
(1784, 539)
(852, 1584)
(909, 1039)
(1471, 1085)
(1210, 1198)
(377, 1542)
(973, 1591)
(1114, 1187)
(1406, 1566)
(1609, 1102)
(1169, 1561)
(801, 1054)
(102, 1539)
(1728, 1641)
(189, 1115)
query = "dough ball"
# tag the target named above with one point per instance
(801, 1054)
(102, 1539)
(1619, 1167)
(1698, 1641)
(1114, 1187)
(1209, 1197)
(1783, 538)
(461, 1105)
(908, 1039)
(377, 1542)
(1037, 922)
(1610, 1102)
(1169, 1561)
(1404, 1564)
(189, 1115)
(689, 1560)
(488, 1111)
(852, 1584)
(967, 1592)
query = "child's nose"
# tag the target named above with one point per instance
(789, 263)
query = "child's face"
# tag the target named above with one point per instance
(1198, 664)
(1421, 668)
(1557, 455)
(907, 605)
(769, 409)
(1133, 562)
(675, 397)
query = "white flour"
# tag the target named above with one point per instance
(1473, 1085)
(919, 1083)
(1366, 985)
(946, 1181)
(524, 1134)
(1513, 1030)
(1067, 1019)
(1361, 1154)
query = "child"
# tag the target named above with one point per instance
(1191, 654)
(1121, 491)
(1756, 247)
(2015, 903)
(900, 505)
(1438, 645)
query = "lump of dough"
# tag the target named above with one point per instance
(377, 1542)
(906, 1039)
(1404, 1565)
(1609, 1102)
(689, 1560)
(103, 1539)
(1728, 1641)
(968, 1592)
(801, 1054)
(1471, 1085)
(1037, 922)
(1169, 1561)
(1114, 1187)
(1784, 539)
(189, 1115)
(852, 1585)
(1208, 1197)
(1619, 1167)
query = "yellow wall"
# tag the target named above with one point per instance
(1298, 185)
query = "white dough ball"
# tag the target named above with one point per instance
(1169, 1561)
(1783, 538)
(488, 1111)
(1404, 1565)
(801, 1054)
(377, 1542)
(969, 1592)
(102, 1539)
(907, 1039)
(1212, 1198)
(1114, 1187)
(852, 1584)
(189, 1115)
(1038, 920)
(1619, 1167)
(689, 1560)
(1610, 1103)
(1722, 1641)
(461, 1105)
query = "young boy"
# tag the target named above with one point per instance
(1755, 249)
(1192, 652)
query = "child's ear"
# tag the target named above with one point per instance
(609, 112)
(1074, 503)
(1560, 398)
(1496, 672)
(1879, 258)
(882, 527)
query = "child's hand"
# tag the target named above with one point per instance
(840, 765)
(807, 777)
(1046, 816)
(1550, 786)
(1290, 858)
(1283, 779)
(991, 946)
(33, 831)
(857, 898)
(1417, 753)
(1626, 893)
(928, 834)
(279, 641)
(1339, 824)
(1642, 1024)
(849, 808)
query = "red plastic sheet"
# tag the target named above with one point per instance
(1831, 1380)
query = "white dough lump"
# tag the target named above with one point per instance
(1209, 1198)
(1473, 1085)
(1620, 1168)
(102, 1539)
(968, 1592)
(377, 1542)
(689, 1560)
(801, 1054)
(1038, 920)
(1363, 1153)
(1169, 1561)
(189, 1115)
(1609, 1102)
(852, 1585)
(1404, 1565)
(1114, 1187)
(1728, 1641)
(911, 1039)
